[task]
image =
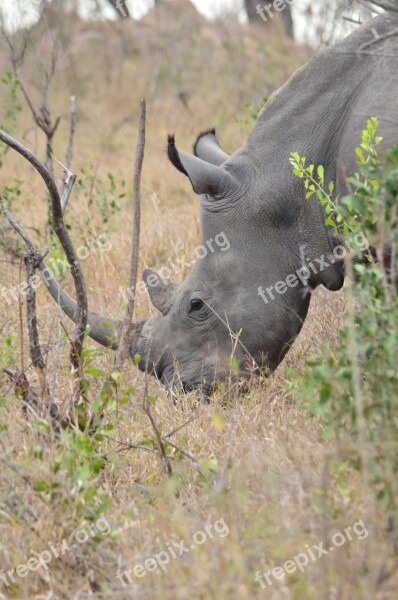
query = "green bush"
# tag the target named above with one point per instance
(353, 389)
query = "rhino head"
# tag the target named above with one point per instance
(253, 231)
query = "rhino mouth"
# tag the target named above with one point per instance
(174, 384)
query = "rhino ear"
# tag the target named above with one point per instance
(207, 148)
(204, 177)
(160, 292)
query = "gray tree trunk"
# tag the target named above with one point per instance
(255, 17)
(120, 7)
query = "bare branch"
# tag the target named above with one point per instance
(127, 444)
(147, 410)
(73, 121)
(32, 260)
(120, 7)
(70, 252)
(176, 429)
(69, 182)
(351, 20)
(183, 452)
(122, 351)
(15, 226)
(42, 116)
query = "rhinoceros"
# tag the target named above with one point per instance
(251, 301)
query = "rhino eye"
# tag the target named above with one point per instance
(196, 304)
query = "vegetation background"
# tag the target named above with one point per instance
(260, 457)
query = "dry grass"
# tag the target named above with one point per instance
(277, 486)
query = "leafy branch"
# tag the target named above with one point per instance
(344, 215)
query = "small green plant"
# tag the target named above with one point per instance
(349, 214)
(11, 108)
(74, 482)
(102, 196)
(253, 111)
(352, 390)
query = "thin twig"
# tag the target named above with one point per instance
(7, 227)
(147, 410)
(122, 351)
(32, 260)
(69, 182)
(351, 20)
(127, 444)
(183, 452)
(73, 121)
(14, 225)
(176, 429)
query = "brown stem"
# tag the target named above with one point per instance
(32, 259)
(147, 410)
(123, 348)
(73, 121)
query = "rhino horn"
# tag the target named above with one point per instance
(207, 148)
(204, 177)
(160, 292)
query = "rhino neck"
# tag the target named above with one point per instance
(318, 114)
(339, 85)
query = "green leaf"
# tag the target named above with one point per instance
(42, 486)
(95, 372)
(219, 421)
(207, 465)
(234, 365)
(149, 478)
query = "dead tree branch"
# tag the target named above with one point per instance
(69, 182)
(42, 116)
(32, 259)
(70, 252)
(73, 121)
(122, 351)
(120, 7)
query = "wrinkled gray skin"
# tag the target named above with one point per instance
(253, 198)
